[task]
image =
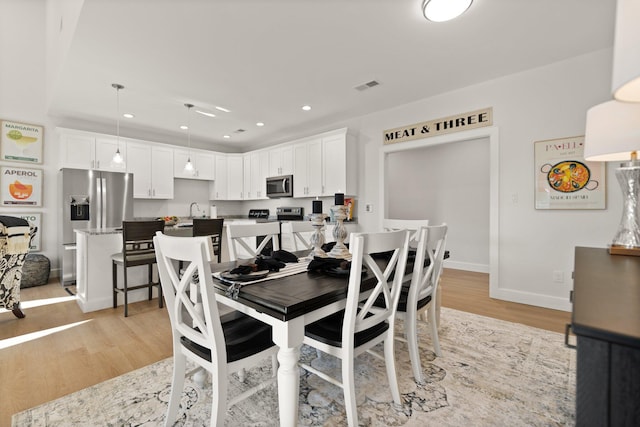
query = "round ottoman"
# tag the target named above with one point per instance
(35, 271)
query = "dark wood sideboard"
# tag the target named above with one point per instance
(606, 321)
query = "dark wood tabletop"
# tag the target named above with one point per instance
(288, 297)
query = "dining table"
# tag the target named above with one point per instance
(289, 303)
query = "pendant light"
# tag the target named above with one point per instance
(188, 167)
(117, 157)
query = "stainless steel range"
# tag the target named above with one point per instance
(290, 214)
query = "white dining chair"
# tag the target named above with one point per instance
(421, 293)
(300, 241)
(242, 239)
(413, 225)
(361, 325)
(220, 346)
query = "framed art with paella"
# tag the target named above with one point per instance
(564, 180)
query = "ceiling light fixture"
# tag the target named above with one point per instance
(306, 107)
(128, 115)
(259, 124)
(188, 167)
(117, 157)
(444, 10)
(205, 113)
(226, 136)
(626, 61)
(223, 109)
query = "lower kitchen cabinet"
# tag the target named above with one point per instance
(606, 321)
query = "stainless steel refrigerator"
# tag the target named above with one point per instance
(89, 199)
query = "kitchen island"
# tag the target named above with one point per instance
(94, 284)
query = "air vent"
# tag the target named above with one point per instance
(367, 85)
(239, 131)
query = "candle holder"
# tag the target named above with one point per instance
(317, 238)
(340, 233)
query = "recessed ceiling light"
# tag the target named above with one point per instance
(259, 124)
(204, 113)
(128, 115)
(227, 136)
(184, 127)
(306, 107)
(223, 109)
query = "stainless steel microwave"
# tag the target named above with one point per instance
(280, 186)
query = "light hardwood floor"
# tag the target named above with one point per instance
(57, 349)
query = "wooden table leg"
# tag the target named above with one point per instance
(18, 313)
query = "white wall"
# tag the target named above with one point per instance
(543, 103)
(445, 183)
(23, 99)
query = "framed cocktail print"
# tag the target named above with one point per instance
(564, 180)
(20, 187)
(21, 142)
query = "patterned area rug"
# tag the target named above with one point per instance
(492, 373)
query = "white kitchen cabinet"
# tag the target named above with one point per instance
(84, 150)
(256, 170)
(235, 176)
(152, 167)
(324, 165)
(281, 161)
(218, 188)
(203, 164)
(339, 169)
(307, 170)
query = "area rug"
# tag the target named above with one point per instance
(491, 373)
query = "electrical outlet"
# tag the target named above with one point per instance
(558, 276)
(368, 207)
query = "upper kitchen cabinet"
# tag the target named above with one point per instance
(235, 177)
(203, 164)
(151, 166)
(307, 168)
(84, 150)
(281, 161)
(325, 165)
(256, 171)
(338, 163)
(218, 188)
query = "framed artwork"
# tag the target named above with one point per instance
(564, 180)
(36, 219)
(20, 187)
(21, 142)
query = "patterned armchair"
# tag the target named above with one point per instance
(15, 239)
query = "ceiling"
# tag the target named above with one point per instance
(264, 60)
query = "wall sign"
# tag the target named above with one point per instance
(20, 187)
(457, 123)
(21, 142)
(564, 180)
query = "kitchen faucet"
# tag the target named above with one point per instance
(191, 209)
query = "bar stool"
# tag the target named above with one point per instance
(137, 250)
(210, 227)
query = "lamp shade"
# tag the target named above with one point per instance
(626, 58)
(612, 131)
